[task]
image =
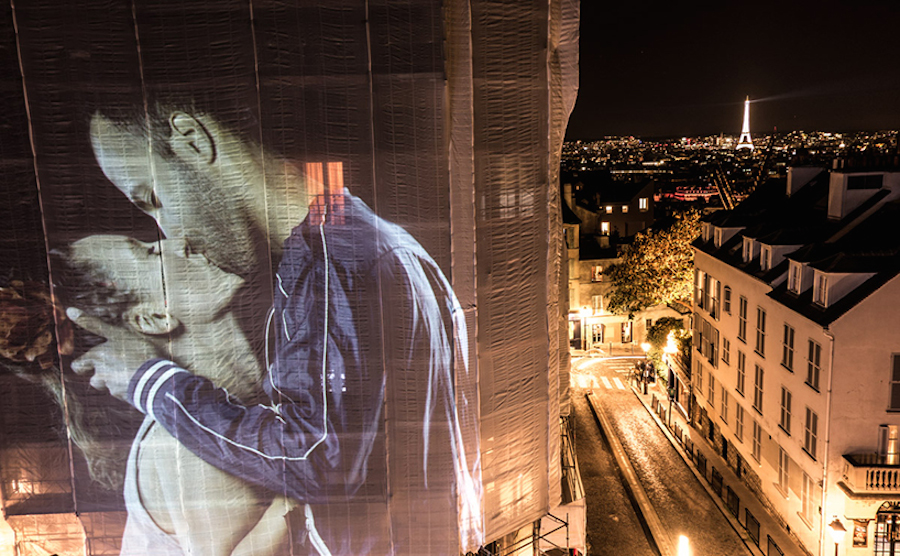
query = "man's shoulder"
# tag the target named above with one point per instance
(350, 232)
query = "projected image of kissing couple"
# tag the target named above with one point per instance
(281, 341)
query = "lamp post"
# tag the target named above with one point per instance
(837, 533)
(646, 348)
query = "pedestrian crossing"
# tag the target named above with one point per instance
(609, 385)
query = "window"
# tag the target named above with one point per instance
(757, 441)
(643, 204)
(608, 209)
(787, 348)
(821, 290)
(794, 277)
(624, 209)
(597, 303)
(812, 432)
(626, 332)
(761, 331)
(715, 294)
(784, 468)
(758, 390)
(813, 365)
(597, 333)
(741, 371)
(712, 390)
(596, 273)
(604, 228)
(748, 250)
(699, 288)
(571, 239)
(765, 261)
(807, 488)
(726, 300)
(726, 351)
(786, 399)
(742, 319)
(724, 409)
(698, 377)
(739, 422)
(895, 382)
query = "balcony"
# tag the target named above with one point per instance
(871, 474)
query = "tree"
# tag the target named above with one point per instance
(657, 267)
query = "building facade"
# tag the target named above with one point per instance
(796, 361)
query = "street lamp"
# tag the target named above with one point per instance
(837, 533)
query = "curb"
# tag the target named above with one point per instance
(735, 524)
(659, 537)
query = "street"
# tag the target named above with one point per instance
(682, 504)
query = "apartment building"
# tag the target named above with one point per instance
(796, 362)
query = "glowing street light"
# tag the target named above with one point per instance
(837, 533)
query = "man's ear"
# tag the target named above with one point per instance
(147, 319)
(190, 139)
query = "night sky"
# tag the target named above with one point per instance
(684, 68)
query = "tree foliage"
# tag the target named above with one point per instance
(656, 268)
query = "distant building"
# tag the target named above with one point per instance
(609, 207)
(590, 255)
(796, 361)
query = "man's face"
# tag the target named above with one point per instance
(184, 201)
(164, 274)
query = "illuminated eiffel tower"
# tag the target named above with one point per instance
(745, 142)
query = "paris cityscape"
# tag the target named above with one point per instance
(449, 278)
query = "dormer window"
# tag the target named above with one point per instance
(794, 277)
(820, 294)
(765, 259)
(608, 209)
(748, 249)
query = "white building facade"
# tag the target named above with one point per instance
(796, 361)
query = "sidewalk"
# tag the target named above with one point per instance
(764, 536)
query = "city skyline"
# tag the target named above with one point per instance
(685, 69)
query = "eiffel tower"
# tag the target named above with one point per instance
(745, 142)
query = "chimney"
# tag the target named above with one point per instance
(567, 195)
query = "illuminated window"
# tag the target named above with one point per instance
(758, 390)
(741, 371)
(786, 399)
(787, 348)
(811, 435)
(821, 290)
(604, 228)
(624, 209)
(608, 209)
(643, 204)
(814, 365)
(596, 273)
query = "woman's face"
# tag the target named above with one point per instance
(165, 273)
